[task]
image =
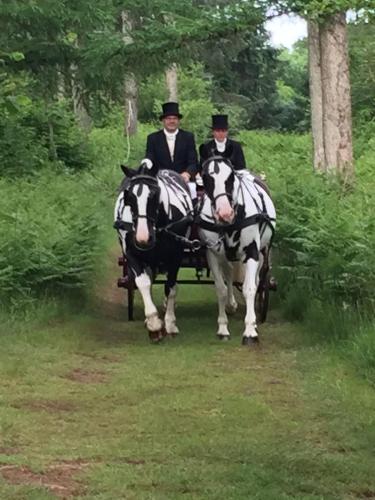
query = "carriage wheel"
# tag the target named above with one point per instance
(262, 297)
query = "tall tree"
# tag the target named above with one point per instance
(171, 78)
(130, 82)
(330, 81)
(337, 114)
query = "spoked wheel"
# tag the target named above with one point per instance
(262, 297)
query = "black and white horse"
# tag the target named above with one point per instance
(153, 215)
(236, 221)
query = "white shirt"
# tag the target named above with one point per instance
(220, 146)
(171, 141)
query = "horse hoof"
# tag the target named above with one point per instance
(172, 331)
(155, 337)
(250, 340)
(223, 338)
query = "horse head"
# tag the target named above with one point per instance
(218, 179)
(141, 194)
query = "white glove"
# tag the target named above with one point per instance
(193, 190)
(146, 162)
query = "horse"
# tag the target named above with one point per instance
(236, 222)
(153, 215)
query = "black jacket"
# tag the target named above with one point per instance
(233, 151)
(185, 155)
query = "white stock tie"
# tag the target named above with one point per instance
(220, 146)
(171, 141)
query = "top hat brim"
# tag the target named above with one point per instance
(216, 128)
(170, 114)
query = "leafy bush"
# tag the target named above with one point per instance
(325, 238)
(111, 149)
(32, 133)
(49, 234)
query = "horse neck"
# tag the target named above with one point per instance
(245, 195)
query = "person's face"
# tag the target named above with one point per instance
(171, 123)
(220, 134)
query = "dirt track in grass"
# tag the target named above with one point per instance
(90, 409)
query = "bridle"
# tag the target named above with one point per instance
(152, 183)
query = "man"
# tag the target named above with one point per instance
(171, 147)
(221, 145)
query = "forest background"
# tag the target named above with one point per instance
(68, 73)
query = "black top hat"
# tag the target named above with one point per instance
(170, 109)
(220, 121)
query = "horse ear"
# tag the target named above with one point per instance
(129, 172)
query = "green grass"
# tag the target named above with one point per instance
(90, 409)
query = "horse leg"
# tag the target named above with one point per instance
(231, 303)
(250, 335)
(222, 294)
(170, 290)
(170, 317)
(153, 323)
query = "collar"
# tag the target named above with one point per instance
(170, 135)
(220, 146)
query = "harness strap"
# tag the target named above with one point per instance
(124, 226)
(237, 225)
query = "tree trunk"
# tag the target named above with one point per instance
(130, 83)
(171, 80)
(80, 111)
(61, 88)
(337, 116)
(131, 105)
(316, 95)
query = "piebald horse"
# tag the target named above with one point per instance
(236, 223)
(153, 215)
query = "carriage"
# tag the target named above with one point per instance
(158, 231)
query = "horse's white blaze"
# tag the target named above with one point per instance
(223, 209)
(142, 234)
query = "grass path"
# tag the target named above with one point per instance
(89, 409)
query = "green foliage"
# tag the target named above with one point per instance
(34, 132)
(320, 9)
(292, 106)
(194, 94)
(48, 234)
(361, 350)
(362, 69)
(110, 149)
(243, 70)
(325, 238)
